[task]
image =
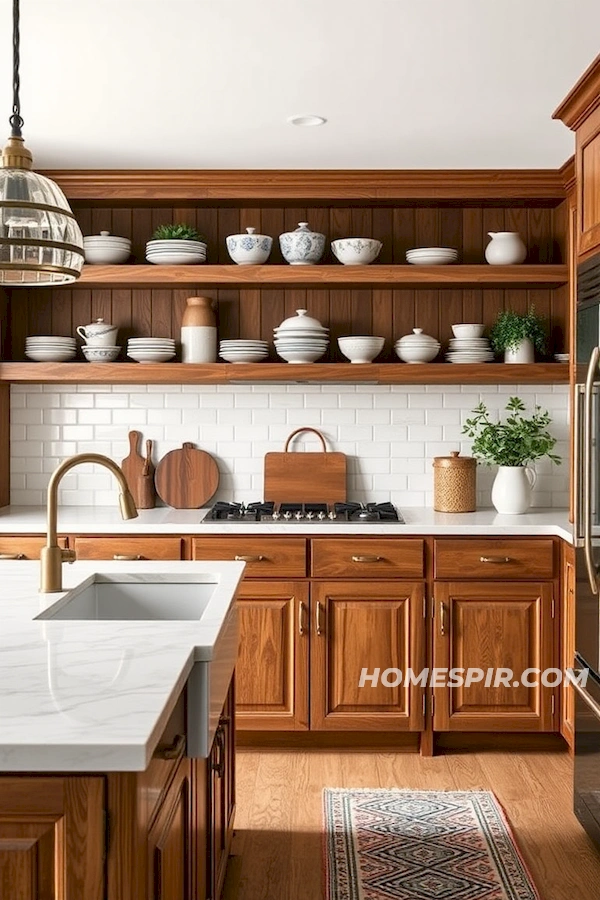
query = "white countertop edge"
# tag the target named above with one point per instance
(166, 521)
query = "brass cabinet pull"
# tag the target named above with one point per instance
(367, 559)
(127, 556)
(219, 765)
(318, 627)
(301, 617)
(442, 618)
(174, 750)
(495, 559)
(12, 556)
(249, 558)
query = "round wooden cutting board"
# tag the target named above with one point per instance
(186, 478)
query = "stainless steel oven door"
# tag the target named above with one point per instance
(587, 755)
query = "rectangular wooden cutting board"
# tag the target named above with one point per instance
(305, 477)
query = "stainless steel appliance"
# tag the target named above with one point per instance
(305, 513)
(587, 531)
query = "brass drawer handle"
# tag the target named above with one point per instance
(442, 618)
(129, 557)
(174, 750)
(318, 625)
(12, 556)
(495, 559)
(219, 765)
(301, 617)
(249, 559)
(367, 559)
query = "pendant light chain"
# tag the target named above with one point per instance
(16, 121)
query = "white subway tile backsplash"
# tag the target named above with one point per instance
(390, 433)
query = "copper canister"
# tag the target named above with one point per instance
(454, 483)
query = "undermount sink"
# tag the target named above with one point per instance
(136, 598)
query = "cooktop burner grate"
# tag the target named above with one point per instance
(304, 512)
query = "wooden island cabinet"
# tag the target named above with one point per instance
(162, 834)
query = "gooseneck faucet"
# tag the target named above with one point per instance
(52, 556)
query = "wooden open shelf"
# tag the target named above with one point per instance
(453, 276)
(332, 373)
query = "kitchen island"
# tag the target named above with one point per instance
(98, 796)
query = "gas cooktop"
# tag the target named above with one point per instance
(304, 512)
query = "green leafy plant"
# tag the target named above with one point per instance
(515, 442)
(511, 328)
(177, 233)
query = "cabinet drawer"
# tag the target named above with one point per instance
(494, 559)
(153, 783)
(367, 558)
(130, 548)
(24, 546)
(264, 556)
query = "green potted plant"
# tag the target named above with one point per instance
(174, 245)
(512, 445)
(518, 335)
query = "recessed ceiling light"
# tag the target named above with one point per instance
(306, 121)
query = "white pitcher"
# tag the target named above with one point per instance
(506, 248)
(512, 489)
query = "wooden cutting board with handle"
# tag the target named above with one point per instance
(186, 478)
(305, 477)
(139, 473)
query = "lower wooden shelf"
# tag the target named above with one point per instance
(281, 373)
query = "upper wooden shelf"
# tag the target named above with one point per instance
(325, 275)
(332, 373)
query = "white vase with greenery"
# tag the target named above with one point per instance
(518, 336)
(512, 445)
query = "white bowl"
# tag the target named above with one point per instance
(414, 354)
(249, 249)
(361, 349)
(302, 247)
(356, 251)
(299, 357)
(467, 331)
(106, 256)
(100, 354)
(248, 357)
(50, 355)
(143, 356)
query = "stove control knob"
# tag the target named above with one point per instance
(321, 516)
(310, 515)
(332, 515)
(287, 515)
(275, 515)
(298, 515)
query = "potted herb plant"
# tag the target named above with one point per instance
(518, 335)
(173, 245)
(512, 445)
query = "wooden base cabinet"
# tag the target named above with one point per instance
(489, 625)
(377, 627)
(272, 668)
(170, 848)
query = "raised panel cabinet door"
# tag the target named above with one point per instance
(52, 838)
(170, 841)
(272, 666)
(372, 626)
(567, 715)
(588, 177)
(492, 626)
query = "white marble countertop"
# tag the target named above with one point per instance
(164, 520)
(95, 696)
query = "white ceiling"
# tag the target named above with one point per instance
(210, 83)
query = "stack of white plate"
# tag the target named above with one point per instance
(243, 351)
(106, 249)
(469, 350)
(49, 348)
(431, 256)
(151, 350)
(301, 339)
(175, 252)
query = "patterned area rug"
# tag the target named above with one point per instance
(421, 845)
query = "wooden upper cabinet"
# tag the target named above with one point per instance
(272, 665)
(581, 112)
(492, 625)
(358, 626)
(52, 840)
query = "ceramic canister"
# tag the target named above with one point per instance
(199, 331)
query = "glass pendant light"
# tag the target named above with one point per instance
(40, 240)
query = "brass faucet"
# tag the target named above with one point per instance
(52, 556)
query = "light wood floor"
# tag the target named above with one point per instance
(277, 851)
